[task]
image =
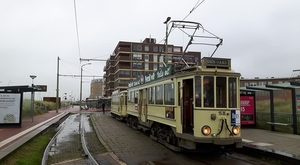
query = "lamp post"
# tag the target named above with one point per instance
(80, 101)
(166, 22)
(32, 96)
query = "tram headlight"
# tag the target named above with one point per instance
(206, 130)
(236, 130)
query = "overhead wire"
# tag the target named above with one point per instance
(192, 10)
(78, 43)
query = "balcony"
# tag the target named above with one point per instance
(123, 49)
(123, 58)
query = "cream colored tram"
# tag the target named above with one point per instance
(119, 105)
(191, 108)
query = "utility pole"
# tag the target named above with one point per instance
(166, 49)
(57, 84)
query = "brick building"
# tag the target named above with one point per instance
(131, 59)
(264, 95)
(96, 89)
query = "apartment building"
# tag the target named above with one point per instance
(132, 59)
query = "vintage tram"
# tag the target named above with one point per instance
(185, 109)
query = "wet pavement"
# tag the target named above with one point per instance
(123, 144)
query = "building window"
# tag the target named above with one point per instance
(137, 56)
(146, 48)
(170, 50)
(146, 66)
(137, 47)
(146, 57)
(161, 65)
(161, 49)
(123, 72)
(154, 66)
(136, 73)
(253, 84)
(137, 65)
(154, 58)
(161, 58)
(262, 83)
(176, 58)
(189, 58)
(246, 84)
(270, 82)
(176, 49)
(155, 49)
(169, 59)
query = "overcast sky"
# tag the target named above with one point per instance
(261, 37)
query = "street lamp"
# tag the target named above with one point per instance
(32, 96)
(81, 84)
(166, 22)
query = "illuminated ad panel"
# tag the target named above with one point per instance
(10, 108)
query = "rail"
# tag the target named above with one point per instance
(83, 142)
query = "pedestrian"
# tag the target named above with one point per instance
(103, 107)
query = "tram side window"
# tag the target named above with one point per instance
(169, 94)
(131, 97)
(135, 97)
(232, 93)
(198, 91)
(151, 95)
(208, 92)
(221, 92)
(159, 94)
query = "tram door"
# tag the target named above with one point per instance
(188, 114)
(143, 105)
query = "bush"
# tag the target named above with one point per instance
(40, 107)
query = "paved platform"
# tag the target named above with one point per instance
(265, 140)
(275, 142)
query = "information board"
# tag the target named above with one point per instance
(10, 108)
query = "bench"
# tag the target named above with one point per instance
(281, 124)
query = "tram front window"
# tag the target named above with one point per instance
(221, 92)
(208, 91)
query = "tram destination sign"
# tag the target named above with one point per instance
(161, 73)
(216, 62)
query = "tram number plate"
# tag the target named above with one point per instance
(235, 117)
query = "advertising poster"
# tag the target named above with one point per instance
(247, 110)
(298, 101)
(10, 104)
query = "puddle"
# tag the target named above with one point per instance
(69, 137)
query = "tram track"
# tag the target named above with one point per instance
(84, 144)
(71, 143)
